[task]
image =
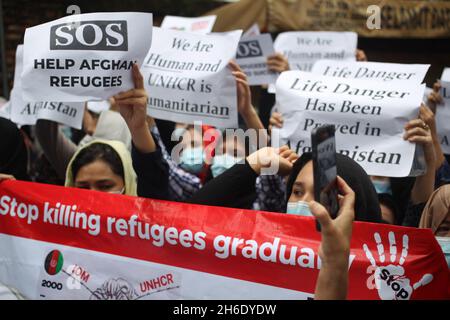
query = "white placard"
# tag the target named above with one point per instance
(252, 56)
(304, 48)
(188, 79)
(375, 71)
(252, 31)
(5, 110)
(27, 113)
(202, 25)
(446, 74)
(369, 118)
(93, 61)
(443, 114)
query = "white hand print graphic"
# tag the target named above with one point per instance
(390, 278)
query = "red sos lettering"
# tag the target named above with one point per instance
(90, 35)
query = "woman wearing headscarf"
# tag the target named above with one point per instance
(102, 165)
(229, 188)
(300, 186)
(436, 216)
(106, 165)
(13, 154)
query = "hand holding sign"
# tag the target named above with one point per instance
(418, 131)
(133, 108)
(278, 63)
(243, 89)
(435, 98)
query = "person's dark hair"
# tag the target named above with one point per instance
(98, 151)
(13, 151)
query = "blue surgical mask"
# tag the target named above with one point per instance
(299, 208)
(192, 159)
(444, 242)
(222, 163)
(382, 186)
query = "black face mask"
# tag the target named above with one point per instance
(367, 207)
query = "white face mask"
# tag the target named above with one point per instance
(117, 192)
(444, 242)
(299, 208)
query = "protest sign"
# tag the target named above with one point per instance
(252, 56)
(375, 71)
(188, 79)
(27, 113)
(303, 48)
(443, 113)
(252, 31)
(5, 110)
(87, 60)
(202, 25)
(369, 118)
(56, 244)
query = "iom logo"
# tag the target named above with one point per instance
(90, 35)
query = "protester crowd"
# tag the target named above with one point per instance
(125, 151)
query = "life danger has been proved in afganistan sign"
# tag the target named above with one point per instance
(56, 244)
(369, 117)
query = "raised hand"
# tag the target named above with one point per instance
(132, 104)
(4, 177)
(269, 160)
(276, 120)
(278, 63)
(243, 90)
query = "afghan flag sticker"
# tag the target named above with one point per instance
(54, 262)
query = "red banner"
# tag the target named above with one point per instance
(277, 250)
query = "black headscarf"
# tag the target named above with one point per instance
(13, 152)
(367, 207)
